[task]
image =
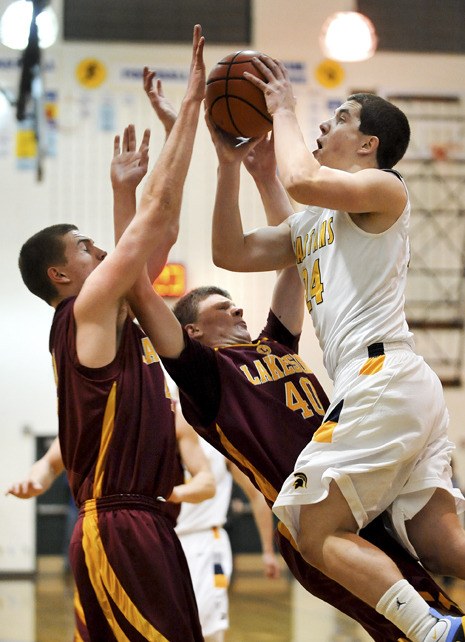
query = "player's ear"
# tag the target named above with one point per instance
(193, 330)
(57, 276)
(369, 146)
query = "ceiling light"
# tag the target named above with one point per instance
(16, 22)
(348, 36)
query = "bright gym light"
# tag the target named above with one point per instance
(16, 21)
(348, 36)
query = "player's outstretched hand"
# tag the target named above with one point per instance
(161, 105)
(129, 164)
(197, 75)
(40, 478)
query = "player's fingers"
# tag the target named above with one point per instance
(282, 69)
(199, 52)
(255, 80)
(145, 139)
(196, 36)
(12, 489)
(148, 76)
(125, 142)
(116, 146)
(131, 139)
(270, 65)
(270, 68)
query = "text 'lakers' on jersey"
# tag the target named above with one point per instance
(236, 396)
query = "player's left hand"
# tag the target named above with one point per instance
(228, 148)
(129, 164)
(161, 105)
(260, 161)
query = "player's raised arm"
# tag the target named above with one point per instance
(288, 294)
(128, 167)
(268, 248)
(324, 177)
(153, 229)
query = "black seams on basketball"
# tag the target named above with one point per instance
(236, 106)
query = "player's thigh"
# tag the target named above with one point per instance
(325, 518)
(437, 522)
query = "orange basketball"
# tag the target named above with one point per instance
(236, 105)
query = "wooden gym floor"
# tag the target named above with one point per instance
(261, 610)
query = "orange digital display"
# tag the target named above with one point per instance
(172, 280)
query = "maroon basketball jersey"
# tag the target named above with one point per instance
(258, 403)
(116, 423)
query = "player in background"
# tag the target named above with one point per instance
(200, 528)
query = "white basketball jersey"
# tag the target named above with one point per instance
(211, 512)
(354, 281)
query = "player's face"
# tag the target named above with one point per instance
(340, 137)
(82, 257)
(220, 322)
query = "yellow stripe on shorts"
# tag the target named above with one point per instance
(372, 365)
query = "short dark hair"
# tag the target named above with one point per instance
(44, 249)
(379, 117)
(186, 309)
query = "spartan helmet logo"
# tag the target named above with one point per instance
(300, 480)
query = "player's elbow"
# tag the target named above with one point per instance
(218, 257)
(297, 183)
(210, 487)
(220, 253)
(171, 233)
(223, 259)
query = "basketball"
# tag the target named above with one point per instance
(236, 105)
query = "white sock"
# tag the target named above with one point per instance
(404, 607)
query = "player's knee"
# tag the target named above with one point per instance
(309, 549)
(433, 564)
